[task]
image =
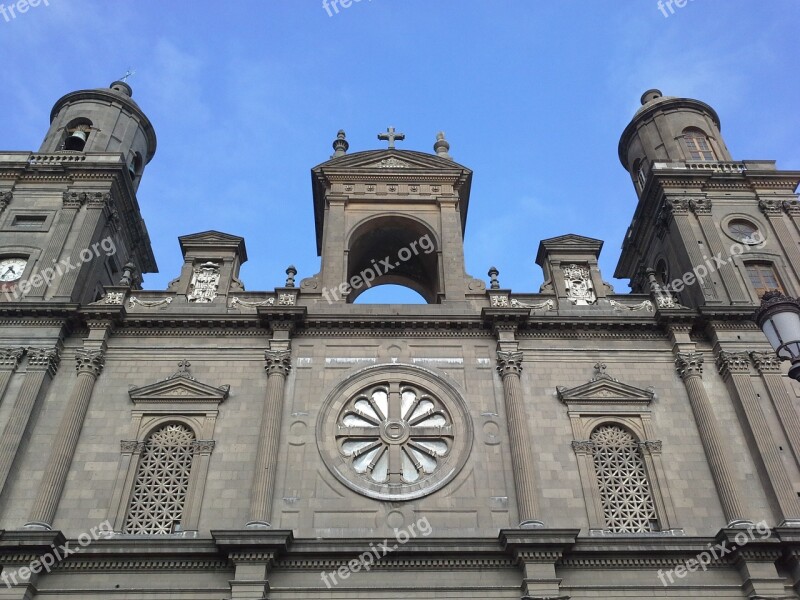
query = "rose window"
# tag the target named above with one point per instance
(393, 434)
(396, 437)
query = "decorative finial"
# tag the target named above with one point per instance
(183, 371)
(340, 144)
(494, 283)
(127, 274)
(290, 273)
(391, 136)
(442, 146)
(600, 368)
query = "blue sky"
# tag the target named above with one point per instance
(246, 97)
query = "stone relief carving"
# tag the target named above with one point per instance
(133, 301)
(547, 305)
(580, 290)
(235, 301)
(644, 305)
(204, 284)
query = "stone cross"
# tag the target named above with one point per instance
(128, 74)
(391, 136)
(183, 367)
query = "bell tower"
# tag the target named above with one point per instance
(709, 229)
(391, 217)
(69, 215)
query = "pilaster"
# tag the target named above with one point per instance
(9, 361)
(773, 209)
(769, 367)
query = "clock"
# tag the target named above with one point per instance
(11, 269)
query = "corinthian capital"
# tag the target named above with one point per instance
(44, 359)
(509, 363)
(278, 361)
(10, 357)
(677, 206)
(5, 200)
(90, 361)
(770, 207)
(689, 364)
(730, 363)
(766, 362)
(700, 206)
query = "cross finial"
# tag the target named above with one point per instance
(600, 368)
(391, 136)
(183, 366)
(128, 73)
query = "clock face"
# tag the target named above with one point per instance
(11, 269)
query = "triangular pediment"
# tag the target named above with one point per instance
(177, 389)
(211, 236)
(571, 239)
(391, 160)
(213, 241)
(605, 390)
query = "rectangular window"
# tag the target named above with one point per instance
(763, 278)
(29, 221)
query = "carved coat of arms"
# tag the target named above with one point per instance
(579, 285)
(204, 284)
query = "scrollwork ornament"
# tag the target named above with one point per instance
(689, 364)
(203, 446)
(44, 359)
(278, 361)
(766, 362)
(10, 358)
(90, 361)
(5, 200)
(583, 446)
(132, 446)
(770, 207)
(651, 446)
(546, 305)
(734, 363)
(509, 363)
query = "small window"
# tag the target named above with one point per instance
(697, 145)
(763, 278)
(29, 221)
(639, 174)
(662, 272)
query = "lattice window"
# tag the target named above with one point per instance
(625, 491)
(162, 480)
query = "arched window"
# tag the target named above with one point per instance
(76, 134)
(625, 491)
(162, 481)
(763, 277)
(662, 272)
(697, 145)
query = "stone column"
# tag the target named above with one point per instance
(9, 361)
(278, 364)
(735, 370)
(89, 366)
(679, 209)
(42, 367)
(690, 368)
(736, 290)
(769, 366)
(773, 210)
(96, 203)
(509, 365)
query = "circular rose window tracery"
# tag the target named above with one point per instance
(394, 432)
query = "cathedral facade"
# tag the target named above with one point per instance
(209, 442)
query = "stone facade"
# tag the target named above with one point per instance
(212, 442)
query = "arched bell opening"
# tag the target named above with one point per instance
(393, 250)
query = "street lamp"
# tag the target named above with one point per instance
(779, 319)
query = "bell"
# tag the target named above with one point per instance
(76, 140)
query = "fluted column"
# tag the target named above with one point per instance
(690, 368)
(9, 361)
(735, 369)
(89, 365)
(42, 366)
(509, 365)
(278, 364)
(769, 366)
